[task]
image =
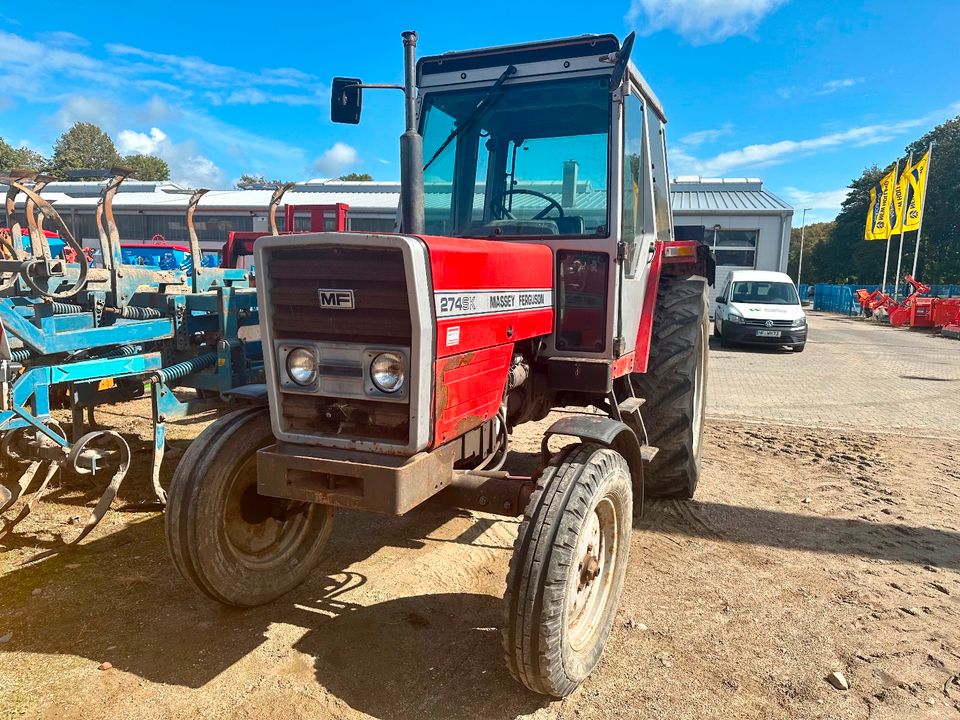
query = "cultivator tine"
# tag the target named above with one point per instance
(274, 202)
(25, 479)
(110, 225)
(159, 442)
(96, 515)
(28, 508)
(195, 256)
(106, 255)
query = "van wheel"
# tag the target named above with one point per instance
(675, 386)
(567, 569)
(799, 348)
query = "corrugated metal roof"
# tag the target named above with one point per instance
(723, 195)
(688, 196)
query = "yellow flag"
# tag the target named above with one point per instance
(878, 221)
(899, 200)
(917, 179)
(871, 215)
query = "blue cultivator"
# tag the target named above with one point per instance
(66, 327)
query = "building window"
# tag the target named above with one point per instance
(376, 225)
(734, 248)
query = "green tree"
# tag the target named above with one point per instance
(148, 167)
(816, 233)
(256, 182)
(364, 177)
(845, 256)
(940, 241)
(22, 157)
(84, 146)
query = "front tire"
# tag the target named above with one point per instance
(567, 569)
(231, 543)
(800, 347)
(675, 386)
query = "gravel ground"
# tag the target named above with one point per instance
(808, 551)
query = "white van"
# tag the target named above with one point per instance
(760, 308)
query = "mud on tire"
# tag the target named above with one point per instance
(553, 631)
(675, 386)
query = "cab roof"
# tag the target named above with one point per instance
(581, 47)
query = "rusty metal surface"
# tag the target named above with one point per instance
(359, 480)
(496, 493)
(274, 203)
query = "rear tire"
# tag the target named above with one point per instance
(675, 386)
(232, 544)
(567, 569)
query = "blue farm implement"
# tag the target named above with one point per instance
(77, 335)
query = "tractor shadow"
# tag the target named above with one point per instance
(119, 599)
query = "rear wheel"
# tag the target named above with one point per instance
(567, 569)
(233, 544)
(675, 386)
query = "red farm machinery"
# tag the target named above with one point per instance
(917, 310)
(536, 267)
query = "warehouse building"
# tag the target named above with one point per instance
(747, 226)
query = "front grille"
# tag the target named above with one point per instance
(763, 323)
(381, 316)
(376, 276)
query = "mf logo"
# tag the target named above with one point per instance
(336, 299)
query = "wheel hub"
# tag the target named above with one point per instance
(589, 568)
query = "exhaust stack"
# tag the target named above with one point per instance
(411, 146)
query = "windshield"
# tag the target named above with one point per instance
(526, 159)
(765, 293)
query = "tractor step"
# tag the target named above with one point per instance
(630, 406)
(648, 452)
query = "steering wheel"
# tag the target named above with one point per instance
(496, 203)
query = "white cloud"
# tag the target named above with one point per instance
(336, 159)
(706, 136)
(762, 155)
(829, 200)
(132, 142)
(834, 85)
(700, 21)
(86, 108)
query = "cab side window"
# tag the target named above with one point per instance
(637, 203)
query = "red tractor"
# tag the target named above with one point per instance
(536, 268)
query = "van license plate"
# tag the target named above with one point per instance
(768, 333)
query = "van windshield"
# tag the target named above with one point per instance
(521, 159)
(764, 292)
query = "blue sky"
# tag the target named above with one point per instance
(803, 93)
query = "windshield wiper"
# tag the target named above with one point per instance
(474, 116)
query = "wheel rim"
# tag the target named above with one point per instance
(699, 386)
(261, 532)
(592, 574)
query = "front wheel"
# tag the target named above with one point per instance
(567, 569)
(800, 347)
(231, 543)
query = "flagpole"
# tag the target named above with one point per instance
(886, 257)
(903, 208)
(923, 202)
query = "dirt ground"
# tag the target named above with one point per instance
(806, 552)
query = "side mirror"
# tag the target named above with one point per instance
(346, 100)
(721, 301)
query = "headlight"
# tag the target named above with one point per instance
(386, 371)
(302, 366)
(737, 319)
(800, 322)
